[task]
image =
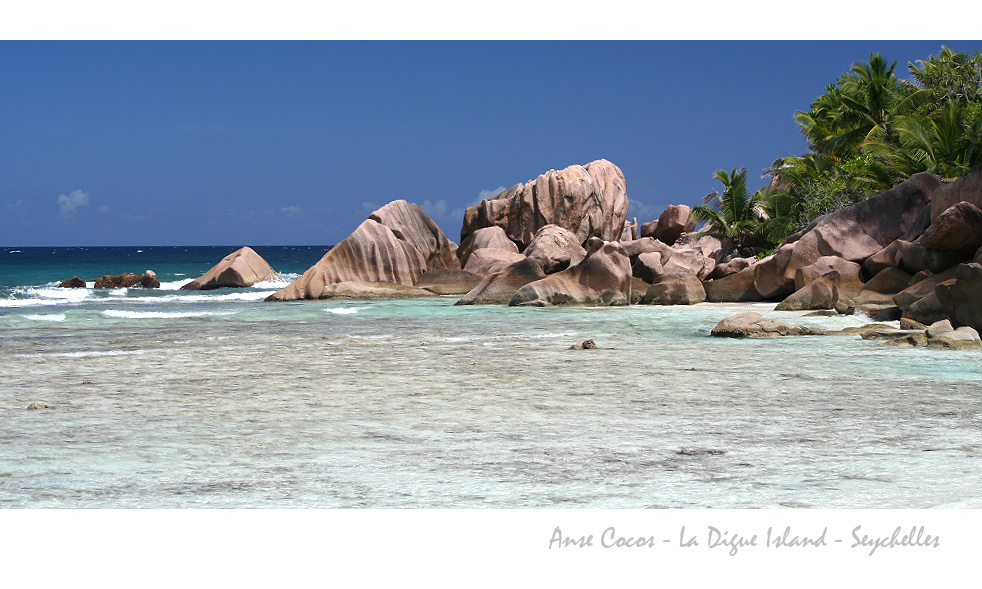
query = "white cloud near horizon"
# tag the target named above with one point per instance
(643, 212)
(434, 209)
(486, 194)
(458, 214)
(68, 203)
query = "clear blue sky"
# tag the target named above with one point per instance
(276, 143)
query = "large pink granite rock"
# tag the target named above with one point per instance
(556, 248)
(849, 280)
(589, 201)
(673, 222)
(735, 288)
(487, 238)
(853, 233)
(957, 228)
(680, 258)
(675, 289)
(487, 261)
(499, 288)
(446, 281)
(961, 299)
(240, 269)
(603, 278)
(967, 189)
(821, 293)
(397, 243)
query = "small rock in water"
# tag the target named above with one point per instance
(586, 345)
(40, 406)
(693, 451)
(73, 282)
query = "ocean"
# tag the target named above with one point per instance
(162, 398)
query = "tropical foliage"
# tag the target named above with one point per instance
(869, 131)
(734, 216)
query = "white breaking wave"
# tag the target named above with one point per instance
(60, 294)
(283, 282)
(158, 314)
(50, 317)
(47, 296)
(203, 298)
(174, 285)
(345, 310)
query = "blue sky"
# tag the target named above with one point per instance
(289, 142)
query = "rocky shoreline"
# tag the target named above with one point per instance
(911, 253)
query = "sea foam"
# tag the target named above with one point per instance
(46, 317)
(159, 314)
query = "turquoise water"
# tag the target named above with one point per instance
(169, 398)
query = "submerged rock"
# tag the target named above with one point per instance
(586, 345)
(755, 325)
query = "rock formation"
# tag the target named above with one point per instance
(396, 244)
(675, 289)
(961, 299)
(735, 288)
(755, 325)
(240, 269)
(589, 201)
(73, 282)
(373, 290)
(853, 233)
(821, 293)
(966, 189)
(603, 278)
(673, 222)
(499, 288)
(488, 238)
(957, 228)
(128, 280)
(448, 282)
(556, 248)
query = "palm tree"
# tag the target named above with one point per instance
(734, 216)
(944, 142)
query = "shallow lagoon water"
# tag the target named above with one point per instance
(188, 399)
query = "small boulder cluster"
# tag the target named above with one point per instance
(126, 280)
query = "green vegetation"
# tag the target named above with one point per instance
(734, 217)
(868, 132)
